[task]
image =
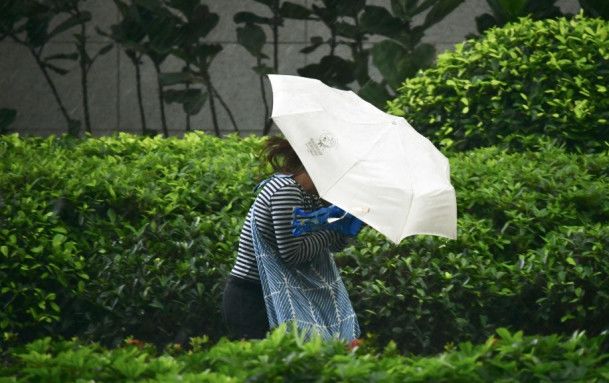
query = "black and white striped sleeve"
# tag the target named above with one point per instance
(296, 250)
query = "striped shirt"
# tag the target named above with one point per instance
(273, 211)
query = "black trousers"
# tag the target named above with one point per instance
(243, 309)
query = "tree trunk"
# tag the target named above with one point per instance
(267, 121)
(227, 109)
(62, 108)
(276, 36)
(187, 113)
(140, 100)
(212, 104)
(161, 100)
(84, 81)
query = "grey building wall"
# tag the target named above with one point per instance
(112, 78)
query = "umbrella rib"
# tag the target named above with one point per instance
(403, 226)
(354, 163)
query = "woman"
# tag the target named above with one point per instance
(291, 188)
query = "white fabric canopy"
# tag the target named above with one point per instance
(369, 163)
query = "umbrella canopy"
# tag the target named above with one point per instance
(367, 162)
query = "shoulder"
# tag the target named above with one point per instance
(279, 187)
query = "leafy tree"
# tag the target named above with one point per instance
(129, 34)
(159, 29)
(251, 35)
(195, 23)
(85, 61)
(28, 23)
(518, 84)
(506, 11)
(400, 55)
(595, 8)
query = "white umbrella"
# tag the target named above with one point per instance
(365, 161)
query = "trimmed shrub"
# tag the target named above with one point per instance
(531, 254)
(150, 228)
(286, 357)
(517, 83)
(127, 235)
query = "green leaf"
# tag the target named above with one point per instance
(378, 20)
(58, 239)
(62, 56)
(262, 69)
(508, 10)
(350, 8)
(201, 22)
(206, 52)
(104, 50)
(164, 33)
(440, 10)
(249, 17)
(485, 22)
(571, 261)
(192, 100)
(175, 78)
(346, 30)
(111, 214)
(316, 42)
(331, 70)
(394, 62)
(112, 193)
(268, 3)
(36, 28)
(375, 93)
(70, 23)
(294, 11)
(56, 69)
(187, 7)
(595, 8)
(504, 333)
(152, 5)
(252, 38)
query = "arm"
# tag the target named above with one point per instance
(340, 242)
(296, 250)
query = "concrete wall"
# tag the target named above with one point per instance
(112, 79)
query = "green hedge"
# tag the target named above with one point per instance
(134, 236)
(517, 83)
(285, 357)
(126, 235)
(531, 254)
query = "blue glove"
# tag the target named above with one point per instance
(316, 220)
(348, 226)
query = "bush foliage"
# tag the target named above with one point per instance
(117, 236)
(126, 235)
(285, 357)
(520, 82)
(530, 254)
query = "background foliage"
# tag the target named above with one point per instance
(134, 236)
(360, 36)
(519, 83)
(286, 357)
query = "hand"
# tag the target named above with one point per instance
(316, 220)
(348, 226)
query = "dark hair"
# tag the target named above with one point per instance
(281, 156)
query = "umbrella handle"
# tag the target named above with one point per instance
(334, 219)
